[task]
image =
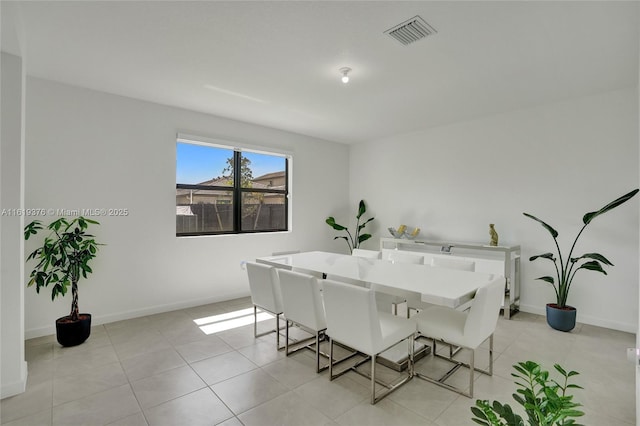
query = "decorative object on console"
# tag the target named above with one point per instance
(494, 235)
(402, 232)
(352, 241)
(63, 258)
(563, 316)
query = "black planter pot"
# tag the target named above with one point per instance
(561, 319)
(73, 333)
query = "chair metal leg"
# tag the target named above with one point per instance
(410, 365)
(278, 331)
(286, 337)
(330, 358)
(491, 355)
(312, 343)
(373, 379)
(471, 371)
(458, 364)
(255, 321)
(318, 352)
(391, 387)
(373, 359)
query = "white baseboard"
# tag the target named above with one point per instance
(125, 315)
(586, 319)
(17, 387)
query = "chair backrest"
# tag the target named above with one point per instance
(483, 315)
(352, 316)
(282, 253)
(453, 263)
(302, 299)
(400, 257)
(265, 287)
(368, 254)
(361, 253)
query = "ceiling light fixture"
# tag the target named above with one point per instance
(345, 74)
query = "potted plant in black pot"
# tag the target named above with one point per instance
(63, 258)
(561, 316)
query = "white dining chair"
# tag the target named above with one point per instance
(367, 254)
(361, 253)
(285, 252)
(303, 306)
(453, 263)
(458, 264)
(467, 330)
(416, 304)
(353, 320)
(391, 297)
(265, 294)
(402, 257)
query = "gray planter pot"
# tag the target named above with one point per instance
(561, 319)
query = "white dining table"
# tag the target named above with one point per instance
(446, 287)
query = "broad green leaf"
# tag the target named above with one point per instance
(547, 278)
(543, 256)
(362, 225)
(548, 227)
(595, 256)
(361, 209)
(363, 237)
(32, 229)
(332, 223)
(612, 205)
(594, 265)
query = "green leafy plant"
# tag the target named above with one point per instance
(545, 400)
(566, 268)
(63, 258)
(353, 241)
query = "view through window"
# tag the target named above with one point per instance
(222, 190)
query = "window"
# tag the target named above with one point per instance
(228, 190)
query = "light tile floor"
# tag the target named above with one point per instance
(164, 370)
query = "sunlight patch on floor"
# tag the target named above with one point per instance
(229, 320)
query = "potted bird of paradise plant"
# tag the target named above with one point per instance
(353, 240)
(560, 315)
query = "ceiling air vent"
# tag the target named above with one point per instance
(411, 30)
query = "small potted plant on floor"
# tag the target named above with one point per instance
(561, 316)
(63, 258)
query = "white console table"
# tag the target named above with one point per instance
(503, 260)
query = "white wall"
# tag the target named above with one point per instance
(87, 149)
(13, 372)
(556, 162)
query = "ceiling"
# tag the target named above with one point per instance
(276, 63)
